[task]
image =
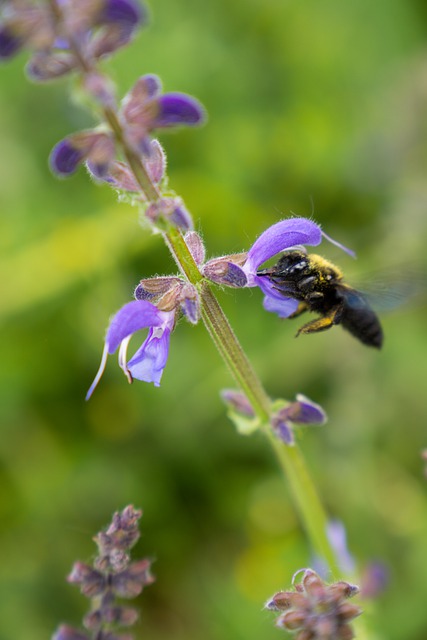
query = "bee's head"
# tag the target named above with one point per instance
(291, 266)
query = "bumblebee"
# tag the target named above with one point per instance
(319, 287)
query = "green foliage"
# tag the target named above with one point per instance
(314, 107)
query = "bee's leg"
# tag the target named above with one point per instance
(323, 323)
(302, 306)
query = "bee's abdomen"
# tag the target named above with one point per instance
(364, 325)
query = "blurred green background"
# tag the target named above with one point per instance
(315, 107)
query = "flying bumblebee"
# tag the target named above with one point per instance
(318, 286)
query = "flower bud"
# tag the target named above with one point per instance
(65, 632)
(130, 582)
(196, 246)
(92, 582)
(226, 271)
(237, 401)
(190, 303)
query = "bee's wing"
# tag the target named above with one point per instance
(390, 289)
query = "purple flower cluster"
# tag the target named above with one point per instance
(160, 301)
(66, 34)
(112, 576)
(284, 415)
(315, 610)
(144, 109)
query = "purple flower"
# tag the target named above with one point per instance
(237, 272)
(9, 43)
(282, 235)
(149, 360)
(96, 147)
(145, 108)
(303, 411)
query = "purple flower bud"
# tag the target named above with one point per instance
(92, 582)
(196, 246)
(337, 536)
(111, 615)
(225, 272)
(94, 146)
(172, 210)
(180, 217)
(10, 43)
(375, 579)
(45, 66)
(64, 632)
(303, 411)
(144, 109)
(155, 162)
(316, 609)
(190, 303)
(283, 429)
(127, 12)
(155, 288)
(130, 582)
(237, 401)
(176, 109)
(65, 158)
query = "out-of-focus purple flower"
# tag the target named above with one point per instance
(172, 210)
(337, 536)
(111, 576)
(96, 147)
(120, 175)
(237, 401)
(302, 411)
(54, 32)
(128, 12)
(375, 579)
(10, 43)
(316, 610)
(65, 632)
(149, 360)
(145, 109)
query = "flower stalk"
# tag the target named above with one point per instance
(291, 461)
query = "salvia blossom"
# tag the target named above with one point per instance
(315, 610)
(171, 296)
(150, 359)
(112, 576)
(66, 34)
(241, 269)
(301, 412)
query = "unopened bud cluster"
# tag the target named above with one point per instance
(315, 610)
(112, 576)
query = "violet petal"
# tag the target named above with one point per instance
(282, 235)
(283, 308)
(135, 315)
(9, 43)
(65, 158)
(149, 361)
(176, 109)
(304, 411)
(128, 12)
